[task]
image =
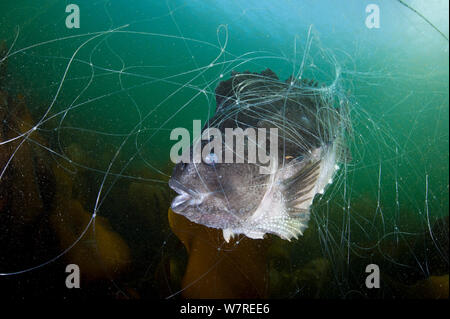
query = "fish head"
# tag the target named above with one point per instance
(218, 195)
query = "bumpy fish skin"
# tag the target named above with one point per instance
(237, 197)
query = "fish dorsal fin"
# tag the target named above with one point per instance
(225, 91)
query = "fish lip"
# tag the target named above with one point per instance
(180, 188)
(185, 196)
(180, 202)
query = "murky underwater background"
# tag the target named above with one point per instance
(86, 116)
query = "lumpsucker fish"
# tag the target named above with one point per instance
(297, 157)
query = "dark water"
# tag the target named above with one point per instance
(104, 97)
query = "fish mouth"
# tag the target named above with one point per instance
(186, 197)
(180, 202)
(188, 203)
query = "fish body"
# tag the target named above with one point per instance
(240, 197)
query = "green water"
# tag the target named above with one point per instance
(115, 95)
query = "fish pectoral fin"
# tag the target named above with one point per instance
(299, 190)
(227, 234)
(344, 155)
(287, 227)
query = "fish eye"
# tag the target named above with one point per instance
(183, 166)
(211, 159)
